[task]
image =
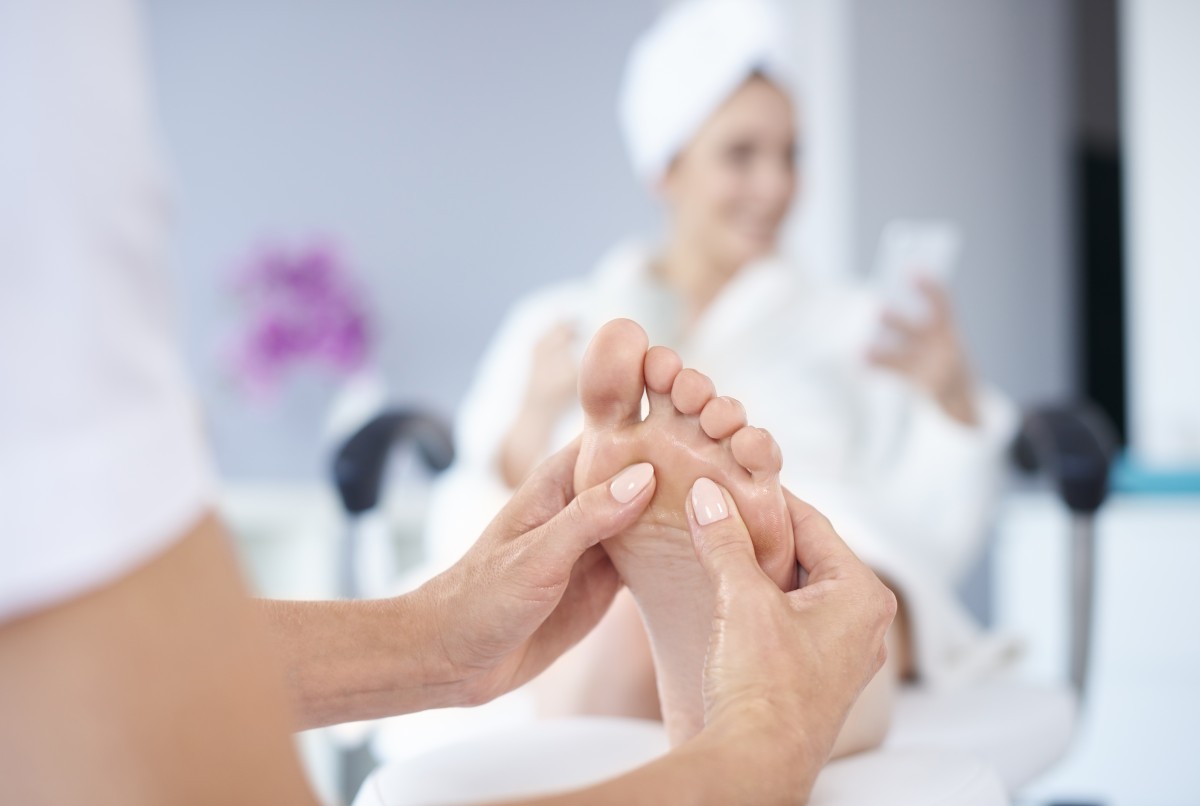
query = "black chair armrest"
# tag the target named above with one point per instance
(1075, 445)
(358, 465)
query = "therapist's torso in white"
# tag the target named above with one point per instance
(102, 460)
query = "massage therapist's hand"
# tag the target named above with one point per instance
(931, 355)
(536, 581)
(783, 669)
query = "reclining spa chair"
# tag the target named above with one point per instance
(972, 746)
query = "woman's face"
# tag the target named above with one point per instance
(729, 190)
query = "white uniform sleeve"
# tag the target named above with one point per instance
(102, 464)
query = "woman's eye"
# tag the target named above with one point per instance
(740, 155)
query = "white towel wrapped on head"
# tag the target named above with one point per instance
(681, 70)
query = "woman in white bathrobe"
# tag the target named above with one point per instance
(903, 449)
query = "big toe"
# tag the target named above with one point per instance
(611, 381)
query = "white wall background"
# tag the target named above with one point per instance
(467, 151)
(1160, 65)
(464, 152)
(962, 109)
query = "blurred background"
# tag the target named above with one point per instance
(452, 156)
(464, 153)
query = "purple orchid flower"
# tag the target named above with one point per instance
(304, 308)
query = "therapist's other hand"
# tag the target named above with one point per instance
(536, 581)
(930, 354)
(783, 669)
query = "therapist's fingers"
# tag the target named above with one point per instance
(724, 548)
(721, 540)
(598, 512)
(549, 488)
(822, 554)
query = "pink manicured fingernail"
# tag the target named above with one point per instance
(708, 502)
(631, 481)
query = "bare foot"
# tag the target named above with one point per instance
(689, 434)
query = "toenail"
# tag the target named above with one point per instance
(708, 502)
(631, 481)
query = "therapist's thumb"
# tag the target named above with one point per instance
(720, 537)
(597, 513)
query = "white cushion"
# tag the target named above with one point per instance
(909, 777)
(553, 756)
(533, 759)
(1018, 728)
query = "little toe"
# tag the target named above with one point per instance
(611, 380)
(755, 450)
(722, 416)
(691, 391)
(662, 367)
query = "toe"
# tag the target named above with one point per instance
(755, 449)
(722, 416)
(691, 391)
(610, 377)
(662, 366)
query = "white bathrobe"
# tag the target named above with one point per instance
(910, 489)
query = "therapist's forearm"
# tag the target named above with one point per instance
(351, 660)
